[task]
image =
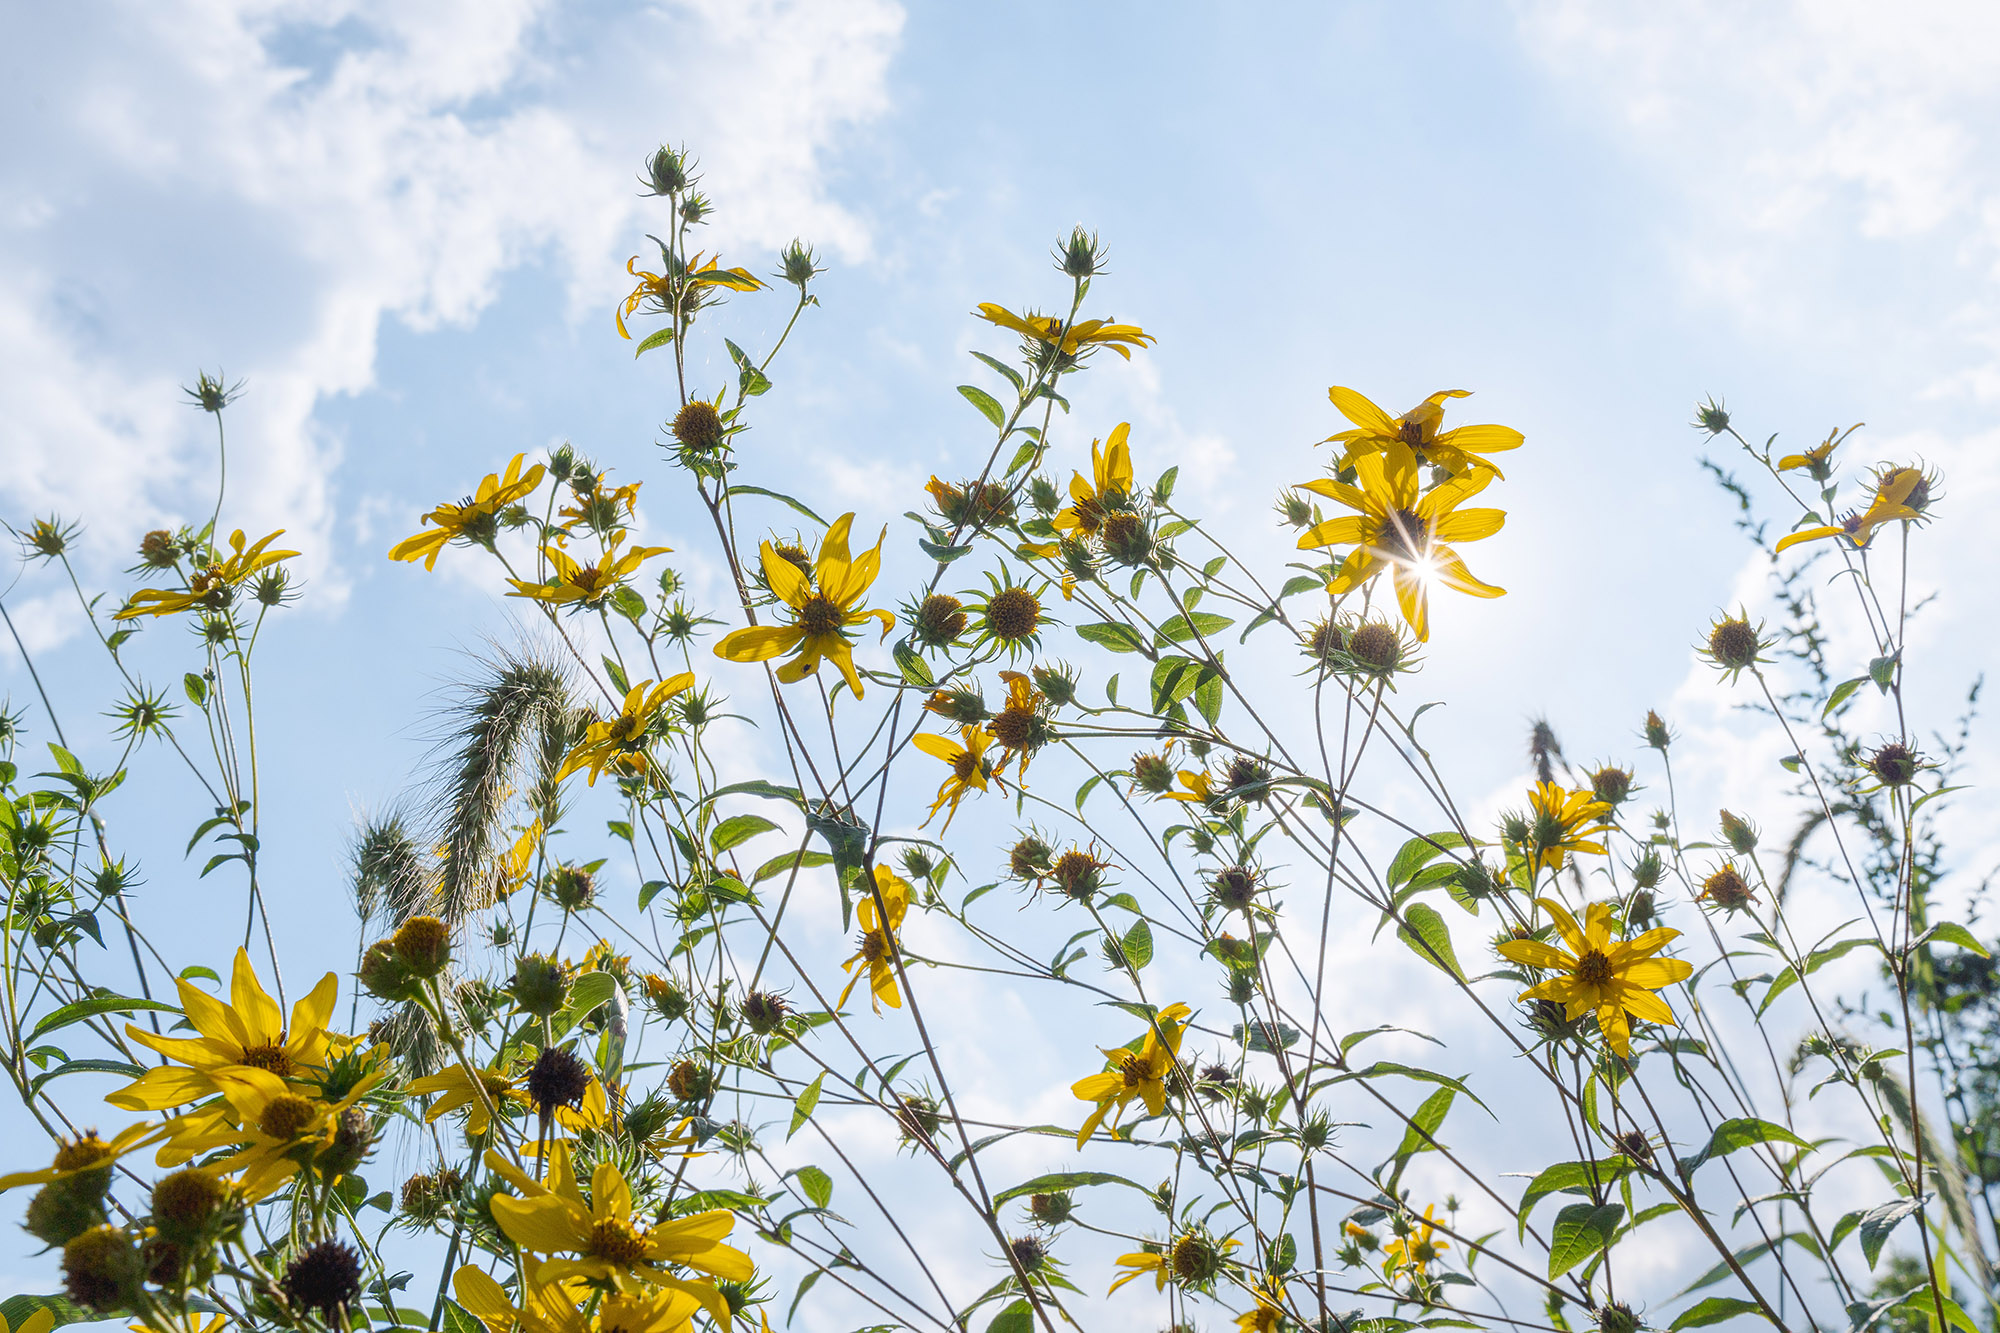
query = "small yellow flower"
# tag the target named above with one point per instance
(1109, 484)
(876, 953)
(1081, 335)
(654, 295)
(1142, 1074)
(1901, 493)
(825, 605)
(971, 770)
(586, 585)
(1141, 1263)
(1409, 535)
(1268, 1313)
(1414, 1253)
(606, 743)
(210, 586)
(1200, 788)
(1562, 822)
(474, 520)
(1816, 461)
(1021, 726)
(1457, 451)
(459, 1094)
(187, 1323)
(1615, 978)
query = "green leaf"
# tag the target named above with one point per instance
(770, 791)
(817, 1184)
(124, 1067)
(197, 689)
(657, 338)
(915, 670)
(1183, 627)
(16, 1309)
(457, 1320)
(738, 829)
(1299, 583)
(1419, 852)
(1138, 944)
(739, 488)
(1163, 489)
(1424, 1125)
(1013, 375)
(1118, 638)
(1882, 670)
(1208, 694)
(91, 1007)
(1841, 693)
(1713, 1311)
(1739, 1133)
(1877, 1223)
(629, 604)
(784, 861)
(802, 1109)
(1064, 1180)
(590, 990)
(805, 1285)
(1950, 932)
(984, 401)
(1429, 938)
(1022, 457)
(1604, 1172)
(1015, 1317)
(1581, 1230)
(616, 674)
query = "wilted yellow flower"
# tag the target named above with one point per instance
(1561, 822)
(971, 770)
(1613, 977)
(1456, 451)
(1110, 481)
(654, 294)
(210, 585)
(1407, 534)
(459, 1093)
(1901, 493)
(825, 604)
(474, 520)
(1142, 1074)
(1084, 333)
(608, 742)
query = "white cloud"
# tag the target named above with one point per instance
(265, 181)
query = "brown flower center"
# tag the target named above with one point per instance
(1136, 1070)
(1594, 969)
(1405, 536)
(874, 946)
(1015, 728)
(964, 765)
(820, 615)
(616, 1242)
(87, 1150)
(1410, 433)
(287, 1115)
(271, 1058)
(1013, 614)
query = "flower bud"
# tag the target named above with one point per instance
(1080, 256)
(1376, 648)
(764, 1012)
(1057, 683)
(57, 1215)
(423, 945)
(1711, 417)
(1734, 644)
(1656, 732)
(353, 1136)
(540, 986)
(667, 171)
(1739, 833)
(384, 974)
(1894, 764)
(799, 265)
(1053, 1209)
(101, 1269)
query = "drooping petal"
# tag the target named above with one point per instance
(759, 643)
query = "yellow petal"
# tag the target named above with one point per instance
(759, 643)
(1361, 410)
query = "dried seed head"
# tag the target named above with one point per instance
(940, 620)
(101, 1269)
(1013, 615)
(1895, 764)
(1727, 890)
(57, 1216)
(689, 1081)
(557, 1078)
(353, 1136)
(698, 425)
(185, 1202)
(324, 1279)
(1127, 537)
(1234, 888)
(1611, 784)
(1028, 858)
(764, 1011)
(1052, 1209)
(1376, 647)
(1029, 1252)
(1733, 643)
(423, 944)
(1078, 874)
(1194, 1259)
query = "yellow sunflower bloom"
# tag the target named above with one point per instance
(555, 1307)
(1562, 822)
(455, 1085)
(1085, 333)
(85, 1153)
(1616, 978)
(1200, 788)
(1408, 534)
(247, 1033)
(1110, 482)
(1901, 493)
(1415, 1252)
(600, 1241)
(1457, 451)
(586, 585)
(826, 604)
(277, 1130)
(654, 295)
(1021, 726)
(877, 951)
(1142, 1074)
(1817, 461)
(971, 770)
(187, 1323)
(1268, 1313)
(606, 743)
(475, 519)
(1141, 1263)
(211, 585)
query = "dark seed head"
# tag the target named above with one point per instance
(557, 1078)
(1895, 764)
(101, 1269)
(1733, 643)
(1013, 615)
(698, 425)
(324, 1279)
(1376, 647)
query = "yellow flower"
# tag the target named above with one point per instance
(877, 952)
(655, 293)
(1200, 788)
(1900, 493)
(246, 1034)
(1414, 1252)
(455, 1083)
(607, 1245)
(1817, 461)
(84, 1153)
(971, 770)
(826, 604)
(1110, 483)
(560, 1307)
(41, 1321)
(586, 585)
(277, 1130)
(1021, 726)
(1268, 1313)
(1457, 451)
(187, 1323)
(474, 520)
(1613, 977)
(1142, 1074)
(211, 585)
(1083, 334)
(1141, 1262)
(605, 743)
(1411, 535)
(1193, 1258)
(1562, 822)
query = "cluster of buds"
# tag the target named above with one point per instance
(395, 969)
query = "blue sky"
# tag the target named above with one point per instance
(406, 225)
